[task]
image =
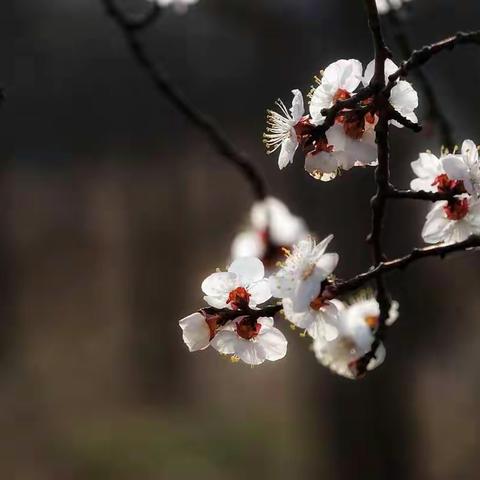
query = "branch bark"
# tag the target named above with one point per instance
(165, 86)
(436, 112)
(424, 54)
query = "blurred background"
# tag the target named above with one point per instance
(113, 210)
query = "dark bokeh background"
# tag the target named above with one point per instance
(114, 210)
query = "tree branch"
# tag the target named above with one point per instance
(343, 287)
(422, 56)
(435, 109)
(165, 86)
(395, 194)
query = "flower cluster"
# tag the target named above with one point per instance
(271, 229)
(457, 174)
(350, 141)
(235, 325)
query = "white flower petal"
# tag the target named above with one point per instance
(470, 152)
(321, 247)
(273, 342)
(196, 333)
(321, 98)
(219, 283)
(343, 74)
(250, 352)
(327, 264)
(427, 166)
(305, 292)
(216, 302)
(248, 270)
(260, 292)
(324, 165)
(282, 284)
(298, 108)
(404, 99)
(288, 149)
(225, 341)
(455, 167)
(248, 244)
(265, 321)
(437, 225)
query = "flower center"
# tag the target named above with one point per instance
(341, 94)
(318, 303)
(456, 209)
(444, 184)
(246, 330)
(372, 321)
(238, 298)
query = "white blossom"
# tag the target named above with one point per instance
(465, 167)
(452, 221)
(317, 322)
(243, 285)
(339, 80)
(251, 342)
(384, 6)
(403, 96)
(356, 325)
(347, 152)
(428, 168)
(272, 226)
(180, 6)
(351, 140)
(281, 133)
(196, 331)
(302, 273)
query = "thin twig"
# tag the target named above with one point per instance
(393, 193)
(435, 109)
(424, 54)
(162, 82)
(344, 287)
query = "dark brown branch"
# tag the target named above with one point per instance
(423, 55)
(166, 87)
(382, 172)
(224, 315)
(331, 113)
(342, 288)
(435, 109)
(421, 195)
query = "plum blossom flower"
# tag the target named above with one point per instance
(348, 150)
(318, 320)
(351, 140)
(339, 80)
(465, 167)
(384, 6)
(300, 277)
(272, 227)
(198, 329)
(242, 286)
(252, 341)
(285, 128)
(452, 221)
(428, 168)
(403, 96)
(356, 325)
(180, 6)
